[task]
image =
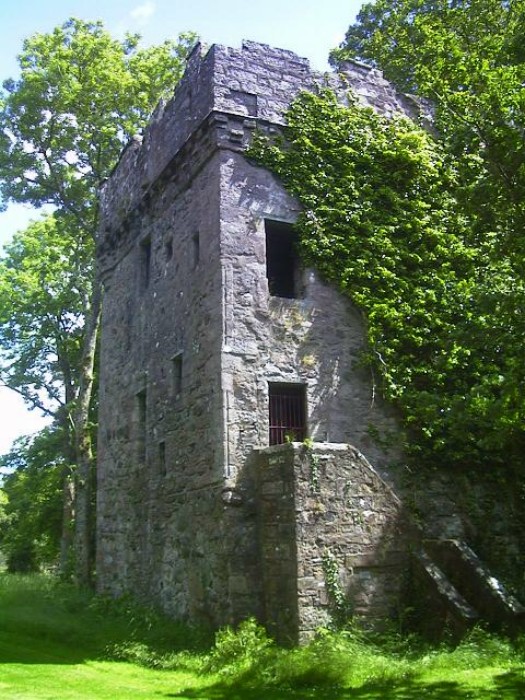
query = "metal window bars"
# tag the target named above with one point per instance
(287, 413)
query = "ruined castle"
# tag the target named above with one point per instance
(237, 473)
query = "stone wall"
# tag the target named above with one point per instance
(315, 340)
(160, 473)
(329, 526)
(254, 84)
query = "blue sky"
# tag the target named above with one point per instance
(309, 27)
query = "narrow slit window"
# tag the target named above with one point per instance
(287, 413)
(145, 262)
(162, 457)
(176, 374)
(282, 261)
(168, 249)
(141, 401)
(196, 249)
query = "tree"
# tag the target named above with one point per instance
(80, 96)
(45, 287)
(46, 275)
(468, 59)
(31, 507)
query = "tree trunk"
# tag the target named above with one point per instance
(84, 549)
(68, 515)
(63, 418)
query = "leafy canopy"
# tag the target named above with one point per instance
(381, 220)
(80, 96)
(31, 502)
(468, 59)
(45, 283)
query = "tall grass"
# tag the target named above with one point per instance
(43, 621)
(40, 607)
(351, 659)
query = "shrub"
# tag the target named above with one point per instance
(236, 649)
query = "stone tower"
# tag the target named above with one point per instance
(217, 348)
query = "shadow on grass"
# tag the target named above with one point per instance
(21, 649)
(511, 685)
(46, 621)
(507, 686)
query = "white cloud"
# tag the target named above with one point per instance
(143, 12)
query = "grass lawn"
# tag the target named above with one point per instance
(57, 643)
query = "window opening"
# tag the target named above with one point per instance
(176, 373)
(282, 261)
(287, 413)
(145, 262)
(141, 425)
(168, 249)
(196, 244)
(162, 457)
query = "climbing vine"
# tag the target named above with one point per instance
(381, 220)
(340, 606)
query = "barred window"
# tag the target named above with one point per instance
(287, 413)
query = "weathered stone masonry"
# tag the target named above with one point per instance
(324, 504)
(194, 514)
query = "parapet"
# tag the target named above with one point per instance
(255, 82)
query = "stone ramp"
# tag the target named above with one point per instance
(465, 589)
(450, 611)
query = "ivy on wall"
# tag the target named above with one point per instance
(381, 220)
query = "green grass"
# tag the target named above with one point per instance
(57, 643)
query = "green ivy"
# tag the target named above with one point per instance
(381, 221)
(340, 606)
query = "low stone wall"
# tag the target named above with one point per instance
(332, 535)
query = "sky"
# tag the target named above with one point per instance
(309, 27)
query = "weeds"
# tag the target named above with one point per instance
(332, 659)
(236, 650)
(478, 649)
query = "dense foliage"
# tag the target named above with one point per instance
(383, 220)
(468, 60)
(32, 508)
(45, 290)
(45, 286)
